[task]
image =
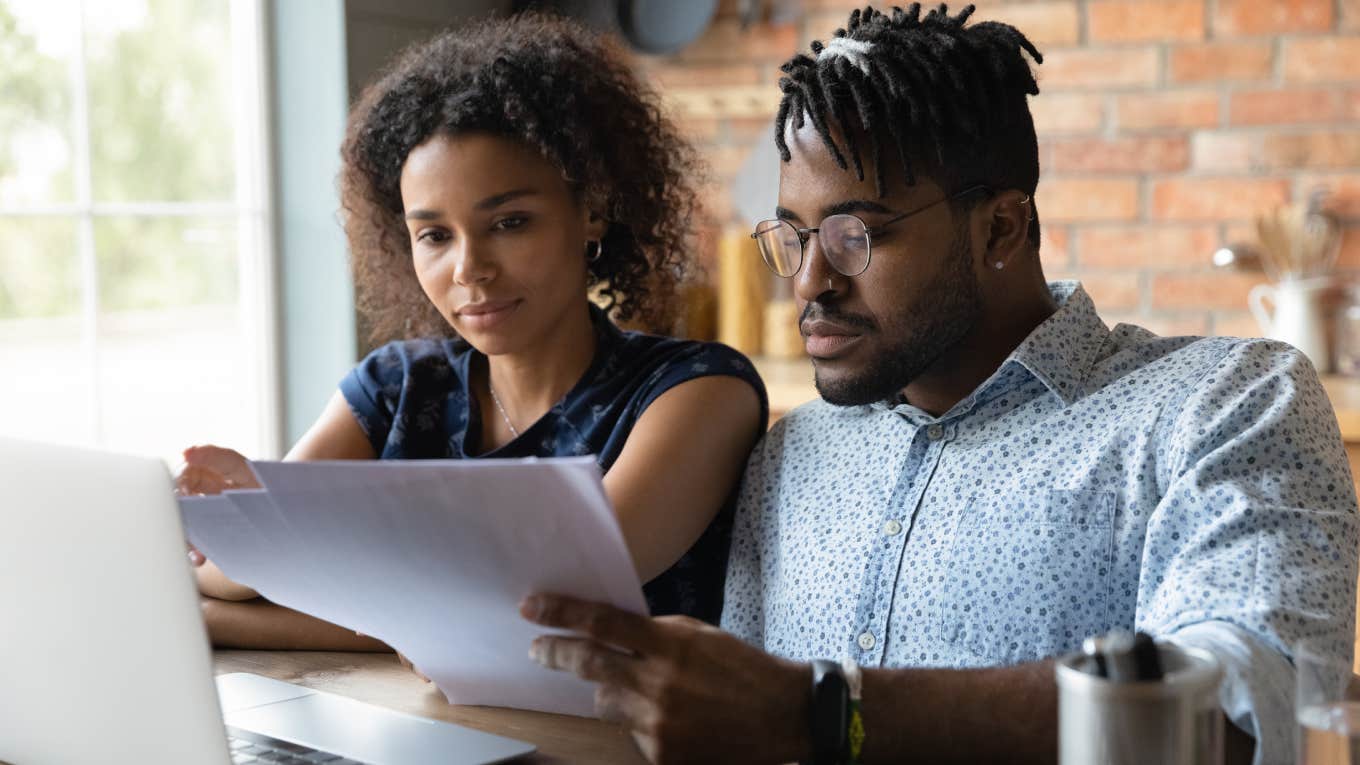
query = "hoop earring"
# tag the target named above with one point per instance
(1025, 201)
(594, 251)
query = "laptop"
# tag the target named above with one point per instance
(103, 654)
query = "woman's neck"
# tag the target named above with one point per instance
(529, 382)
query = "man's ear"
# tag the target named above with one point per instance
(1009, 216)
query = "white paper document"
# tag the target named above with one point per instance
(432, 557)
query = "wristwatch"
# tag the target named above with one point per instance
(830, 713)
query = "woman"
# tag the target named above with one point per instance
(492, 178)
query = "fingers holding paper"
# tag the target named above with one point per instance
(687, 691)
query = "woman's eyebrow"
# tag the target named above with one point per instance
(490, 203)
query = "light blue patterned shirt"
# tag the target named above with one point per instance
(1195, 488)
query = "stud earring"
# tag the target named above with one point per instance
(998, 265)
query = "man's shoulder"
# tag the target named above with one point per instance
(1188, 358)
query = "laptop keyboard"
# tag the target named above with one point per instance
(250, 747)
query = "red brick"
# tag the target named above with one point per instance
(1113, 292)
(1222, 152)
(1164, 154)
(1168, 109)
(1054, 243)
(1350, 15)
(1066, 200)
(748, 129)
(1067, 113)
(1215, 199)
(679, 75)
(1236, 324)
(1044, 23)
(725, 40)
(1145, 246)
(1270, 17)
(699, 129)
(1083, 68)
(1214, 290)
(1350, 248)
(1150, 20)
(1338, 149)
(1284, 107)
(1327, 59)
(1344, 188)
(1164, 324)
(1225, 61)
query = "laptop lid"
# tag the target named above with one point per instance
(103, 655)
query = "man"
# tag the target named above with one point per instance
(993, 474)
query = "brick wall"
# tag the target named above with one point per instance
(1164, 126)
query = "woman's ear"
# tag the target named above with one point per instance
(596, 226)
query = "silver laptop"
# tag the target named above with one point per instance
(103, 655)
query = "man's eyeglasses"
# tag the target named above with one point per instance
(847, 242)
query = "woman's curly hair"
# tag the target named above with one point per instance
(563, 91)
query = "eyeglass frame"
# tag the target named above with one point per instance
(804, 234)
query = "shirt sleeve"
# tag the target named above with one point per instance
(372, 389)
(1254, 543)
(743, 612)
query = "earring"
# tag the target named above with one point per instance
(1025, 201)
(594, 250)
(998, 265)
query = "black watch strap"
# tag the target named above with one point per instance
(830, 713)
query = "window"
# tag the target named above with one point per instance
(136, 288)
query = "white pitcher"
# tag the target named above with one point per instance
(1300, 312)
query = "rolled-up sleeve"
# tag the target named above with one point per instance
(1254, 544)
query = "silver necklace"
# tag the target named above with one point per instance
(513, 431)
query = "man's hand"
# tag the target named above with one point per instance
(687, 691)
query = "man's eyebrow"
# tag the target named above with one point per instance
(839, 208)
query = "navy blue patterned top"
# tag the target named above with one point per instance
(411, 398)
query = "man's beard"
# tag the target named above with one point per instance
(944, 313)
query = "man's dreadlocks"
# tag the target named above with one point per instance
(951, 99)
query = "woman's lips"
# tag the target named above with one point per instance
(487, 314)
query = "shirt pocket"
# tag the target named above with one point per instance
(1029, 578)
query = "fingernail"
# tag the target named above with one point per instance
(534, 652)
(531, 607)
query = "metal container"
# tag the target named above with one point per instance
(1172, 721)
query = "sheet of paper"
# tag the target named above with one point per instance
(432, 557)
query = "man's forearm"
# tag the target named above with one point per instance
(1003, 714)
(263, 625)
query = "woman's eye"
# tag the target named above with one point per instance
(512, 222)
(433, 236)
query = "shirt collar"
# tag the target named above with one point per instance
(1061, 351)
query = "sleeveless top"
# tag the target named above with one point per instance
(411, 399)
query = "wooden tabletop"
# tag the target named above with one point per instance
(378, 678)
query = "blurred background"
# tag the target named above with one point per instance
(172, 269)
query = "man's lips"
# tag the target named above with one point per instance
(826, 339)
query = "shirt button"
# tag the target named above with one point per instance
(866, 640)
(892, 528)
(935, 432)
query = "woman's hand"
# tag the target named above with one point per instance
(213, 470)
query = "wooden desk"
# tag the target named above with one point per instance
(379, 679)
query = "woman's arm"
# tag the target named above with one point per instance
(682, 459)
(261, 624)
